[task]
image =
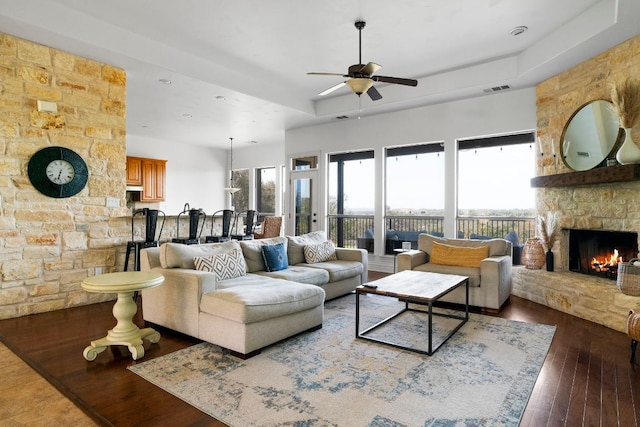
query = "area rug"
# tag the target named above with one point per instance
(482, 376)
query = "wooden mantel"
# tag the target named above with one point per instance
(603, 175)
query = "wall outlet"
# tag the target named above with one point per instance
(98, 270)
(113, 202)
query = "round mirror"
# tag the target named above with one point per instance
(590, 135)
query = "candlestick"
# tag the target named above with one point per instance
(540, 146)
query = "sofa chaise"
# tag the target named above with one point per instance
(231, 295)
(487, 263)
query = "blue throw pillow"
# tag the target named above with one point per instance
(275, 257)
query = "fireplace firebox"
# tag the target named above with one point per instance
(598, 252)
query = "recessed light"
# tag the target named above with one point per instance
(187, 115)
(220, 98)
(516, 31)
(165, 81)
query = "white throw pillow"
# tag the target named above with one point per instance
(224, 265)
(320, 252)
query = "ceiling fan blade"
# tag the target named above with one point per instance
(395, 80)
(370, 68)
(331, 89)
(325, 74)
(374, 94)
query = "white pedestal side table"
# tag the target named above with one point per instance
(125, 332)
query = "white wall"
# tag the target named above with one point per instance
(499, 113)
(195, 174)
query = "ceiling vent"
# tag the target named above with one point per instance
(497, 89)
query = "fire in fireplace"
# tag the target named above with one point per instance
(598, 252)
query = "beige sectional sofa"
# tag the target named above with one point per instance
(246, 310)
(489, 274)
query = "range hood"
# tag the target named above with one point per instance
(134, 188)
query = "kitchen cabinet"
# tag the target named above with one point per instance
(152, 174)
(134, 171)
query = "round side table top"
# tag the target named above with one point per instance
(124, 281)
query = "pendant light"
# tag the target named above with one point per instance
(231, 189)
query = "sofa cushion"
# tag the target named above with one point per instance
(224, 266)
(254, 303)
(300, 273)
(461, 256)
(320, 252)
(177, 255)
(496, 246)
(275, 257)
(252, 250)
(247, 279)
(339, 270)
(296, 245)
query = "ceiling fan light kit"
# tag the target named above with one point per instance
(359, 85)
(361, 76)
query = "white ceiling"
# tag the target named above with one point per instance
(256, 54)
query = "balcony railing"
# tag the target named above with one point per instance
(356, 231)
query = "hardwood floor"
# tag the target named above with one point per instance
(586, 380)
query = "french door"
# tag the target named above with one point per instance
(303, 202)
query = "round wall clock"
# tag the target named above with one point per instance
(58, 172)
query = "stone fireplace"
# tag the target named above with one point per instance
(601, 199)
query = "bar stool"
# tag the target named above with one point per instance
(151, 221)
(194, 219)
(250, 219)
(225, 236)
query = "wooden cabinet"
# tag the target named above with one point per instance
(134, 171)
(152, 177)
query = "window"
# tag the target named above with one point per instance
(266, 191)
(414, 193)
(351, 196)
(240, 199)
(494, 186)
(304, 163)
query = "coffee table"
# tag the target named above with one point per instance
(417, 287)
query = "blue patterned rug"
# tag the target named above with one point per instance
(482, 376)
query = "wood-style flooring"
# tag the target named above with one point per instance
(586, 380)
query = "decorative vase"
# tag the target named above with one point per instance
(533, 254)
(628, 151)
(549, 260)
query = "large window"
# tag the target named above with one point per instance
(351, 196)
(266, 191)
(414, 193)
(241, 198)
(494, 186)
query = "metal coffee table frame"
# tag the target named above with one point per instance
(421, 300)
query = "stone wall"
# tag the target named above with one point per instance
(588, 297)
(48, 245)
(604, 206)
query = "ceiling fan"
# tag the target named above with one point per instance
(361, 76)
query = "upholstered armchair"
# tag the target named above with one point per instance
(487, 263)
(271, 227)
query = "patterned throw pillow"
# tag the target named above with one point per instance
(275, 257)
(226, 265)
(320, 252)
